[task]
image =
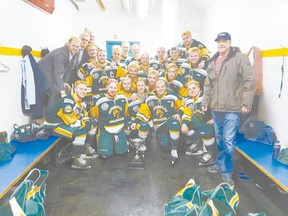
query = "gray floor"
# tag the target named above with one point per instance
(110, 188)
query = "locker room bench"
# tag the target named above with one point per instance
(260, 155)
(26, 156)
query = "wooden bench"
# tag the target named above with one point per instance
(26, 156)
(260, 155)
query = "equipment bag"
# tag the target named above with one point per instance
(223, 200)
(24, 133)
(186, 202)
(6, 149)
(28, 198)
(190, 201)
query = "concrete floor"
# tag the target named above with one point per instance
(109, 188)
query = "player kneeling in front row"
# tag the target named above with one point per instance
(198, 127)
(110, 109)
(68, 118)
(163, 109)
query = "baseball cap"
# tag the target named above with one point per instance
(223, 35)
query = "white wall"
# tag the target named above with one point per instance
(21, 24)
(261, 23)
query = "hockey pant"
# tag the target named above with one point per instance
(80, 136)
(108, 143)
(203, 131)
(167, 133)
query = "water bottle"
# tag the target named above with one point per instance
(277, 148)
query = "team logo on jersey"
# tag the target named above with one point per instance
(191, 106)
(155, 66)
(151, 104)
(135, 108)
(103, 80)
(95, 75)
(68, 108)
(159, 113)
(104, 106)
(115, 111)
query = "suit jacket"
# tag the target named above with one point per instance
(57, 68)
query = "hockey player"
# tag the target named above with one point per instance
(188, 42)
(135, 102)
(175, 57)
(126, 87)
(152, 78)
(125, 47)
(194, 59)
(103, 72)
(198, 128)
(133, 69)
(110, 109)
(176, 82)
(136, 50)
(161, 58)
(69, 118)
(116, 56)
(163, 109)
(144, 65)
(84, 72)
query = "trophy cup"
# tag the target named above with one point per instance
(136, 162)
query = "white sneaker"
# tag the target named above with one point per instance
(174, 153)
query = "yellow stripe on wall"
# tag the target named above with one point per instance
(274, 52)
(16, 51)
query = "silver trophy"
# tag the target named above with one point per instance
(136, 162)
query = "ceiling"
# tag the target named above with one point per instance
(155, 6)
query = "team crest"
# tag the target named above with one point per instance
(95, 75)
(155, 66)
(68, 108)
(104, 106)
(135, 108)
(191, 106)
(116, 113)
(151, 104)
(159, 113)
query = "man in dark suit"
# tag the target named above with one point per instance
(57, 67)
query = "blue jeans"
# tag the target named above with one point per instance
(226, 125)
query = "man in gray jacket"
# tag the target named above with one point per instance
(57, 67)
(228, 91)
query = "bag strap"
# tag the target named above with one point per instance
(38, 178)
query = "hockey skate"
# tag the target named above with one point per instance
(174, 156)
(206, 159)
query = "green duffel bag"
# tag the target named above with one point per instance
(28, 198)
(223, 200)
(186, 202)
